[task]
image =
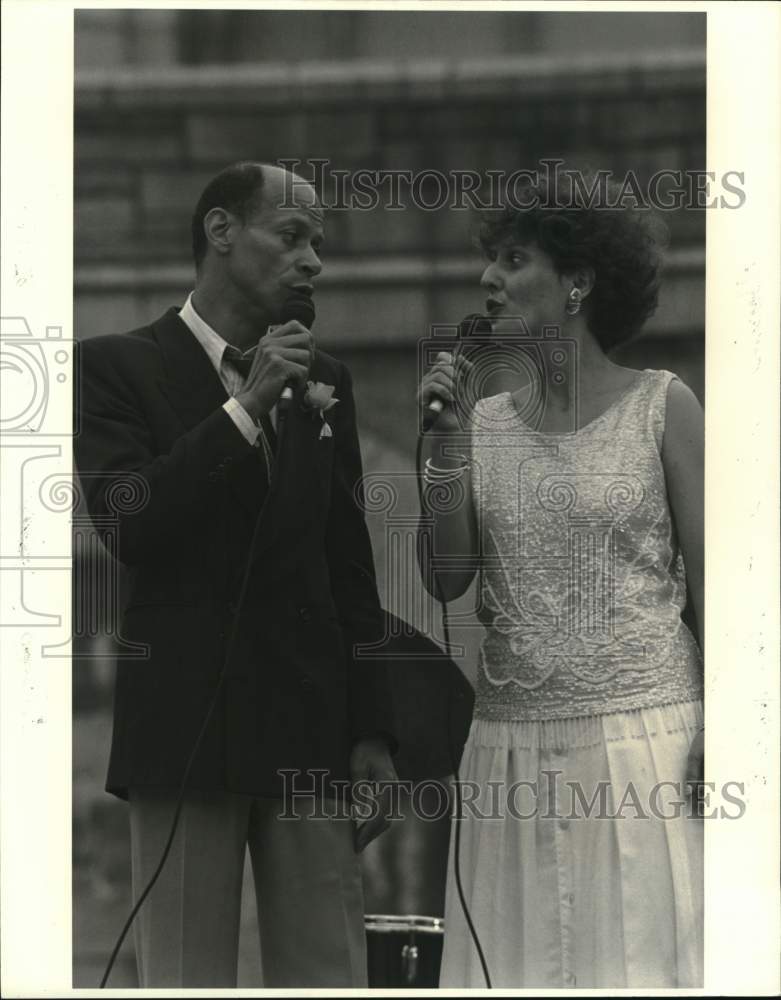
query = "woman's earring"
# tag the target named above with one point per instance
(574, 299)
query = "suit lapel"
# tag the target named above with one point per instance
(190, 381)
(195, 390)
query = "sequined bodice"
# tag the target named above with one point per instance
(582, 582)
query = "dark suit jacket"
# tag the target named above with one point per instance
(158, 456)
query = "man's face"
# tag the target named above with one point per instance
(275, 251)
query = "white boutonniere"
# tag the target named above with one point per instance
(319, 399)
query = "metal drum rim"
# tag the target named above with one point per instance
(388, 922)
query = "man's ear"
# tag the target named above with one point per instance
(220, 229)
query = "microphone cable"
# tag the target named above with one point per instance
(281, 425)
(452, 750)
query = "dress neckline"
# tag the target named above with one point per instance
(637, 381)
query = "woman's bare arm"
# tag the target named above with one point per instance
(683, 457)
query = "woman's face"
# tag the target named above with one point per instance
(521, 281)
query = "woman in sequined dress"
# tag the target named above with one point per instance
(577, 500)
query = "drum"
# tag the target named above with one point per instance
(404, 951)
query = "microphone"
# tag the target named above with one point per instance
(300, 307)
(469, 326)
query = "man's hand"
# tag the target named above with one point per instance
(370, 761)
(283, 355)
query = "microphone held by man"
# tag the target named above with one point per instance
(282, 359)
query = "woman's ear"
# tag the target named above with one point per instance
(583, 279)
(578, 284)
(219, 227)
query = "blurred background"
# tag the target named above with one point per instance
(166, 98)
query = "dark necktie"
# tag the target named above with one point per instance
(242, 364)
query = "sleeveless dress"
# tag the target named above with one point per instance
(580, 858)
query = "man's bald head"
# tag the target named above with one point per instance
(241, 189)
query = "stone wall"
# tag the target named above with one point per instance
(148, 37)
(148, 139)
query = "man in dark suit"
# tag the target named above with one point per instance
(182, 441)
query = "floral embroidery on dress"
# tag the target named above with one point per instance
(582, 584)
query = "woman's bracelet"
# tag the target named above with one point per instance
(434, 476)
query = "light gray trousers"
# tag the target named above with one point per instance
(307, 885)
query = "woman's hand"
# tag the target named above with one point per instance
(453, 531)
(440, 382)
(695, 768)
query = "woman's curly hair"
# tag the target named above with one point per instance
(618, 243)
